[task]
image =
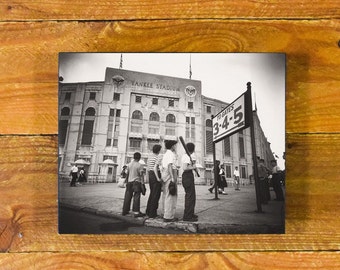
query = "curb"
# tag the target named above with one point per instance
(103, 213)
(190, 227)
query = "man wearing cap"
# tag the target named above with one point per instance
(169, 174)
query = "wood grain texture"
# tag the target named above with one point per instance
(33, 32)
(29, 194)
(171, 260)
(29, 82)
(178, 9)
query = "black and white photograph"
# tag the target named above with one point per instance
(171, 143)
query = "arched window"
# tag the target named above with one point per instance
(65, 111)
(170, 118)
(136, 122)
(137, 115)
(90, 112)
(154, 123)
(170, 127)
(208, 123)
(63, 124)
(154, 117)
(88, 126)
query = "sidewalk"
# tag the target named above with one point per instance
(234, 213)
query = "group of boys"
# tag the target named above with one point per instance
(162, 175)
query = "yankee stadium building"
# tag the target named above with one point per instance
(101, 125)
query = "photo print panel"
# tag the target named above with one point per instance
(171, 143)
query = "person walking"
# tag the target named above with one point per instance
(74, 174)
(122, 180)
(217, 181)
(223, 178)
(82, 175)
(153, 176)
(169, 174)
(135, 179)
(237, 178)
(276, 180)
(188, 182)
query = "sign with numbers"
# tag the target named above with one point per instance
(233, 118)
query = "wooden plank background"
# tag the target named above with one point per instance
(32, 33)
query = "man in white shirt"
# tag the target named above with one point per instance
(237, 178)
(188, 182)
(74, 173)
(169, 174)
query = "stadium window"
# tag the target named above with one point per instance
(154, 101)
(170, 118)
(118, 113)
(92, 95)
(88, 126)
(154, 117)
(68, 96)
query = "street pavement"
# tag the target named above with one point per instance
(81, 222)
(235, 213)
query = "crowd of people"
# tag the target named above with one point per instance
(162, 172)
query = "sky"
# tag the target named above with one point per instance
(224, 76)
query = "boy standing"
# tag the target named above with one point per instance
(135, 179)
(169, 174)
(188, 182)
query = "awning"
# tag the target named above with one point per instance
(81, 162)
(109, 162)
(156, 137)
(135, 135)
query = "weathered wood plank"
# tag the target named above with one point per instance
(29, 62)
(29, 51)
(171, 260)
(179, 9)
(29, 194)
(29, 108)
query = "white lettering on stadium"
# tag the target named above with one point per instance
(157, 86)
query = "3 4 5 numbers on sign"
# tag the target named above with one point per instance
(230, 120)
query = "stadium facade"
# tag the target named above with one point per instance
(101, 125)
